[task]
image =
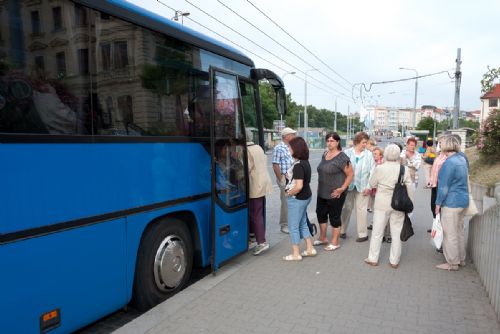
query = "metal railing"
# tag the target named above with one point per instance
(484, 250)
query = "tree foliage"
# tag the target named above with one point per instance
(489, 78)
(317, 118)
(426, 123)
(489, 139)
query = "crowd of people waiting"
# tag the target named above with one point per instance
(362, 179)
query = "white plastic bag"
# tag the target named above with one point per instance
(437, 232)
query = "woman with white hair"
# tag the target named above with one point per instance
(384, 178)
(451, 202)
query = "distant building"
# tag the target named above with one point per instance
(489, 102)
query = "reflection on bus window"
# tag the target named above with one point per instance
(100, 75)
(230, 174)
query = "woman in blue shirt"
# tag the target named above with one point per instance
(451, 202)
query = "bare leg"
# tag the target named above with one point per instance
(335, 235)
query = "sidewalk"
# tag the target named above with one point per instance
(331, 293)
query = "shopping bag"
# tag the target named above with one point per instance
(437, 232)
(407, 230)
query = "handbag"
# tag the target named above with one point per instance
(407, 230)
(400, 199)
(312, 227)
(471, 210)
(437, 232)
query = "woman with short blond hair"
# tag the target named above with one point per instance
(451, 202)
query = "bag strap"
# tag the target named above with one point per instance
(401, 173)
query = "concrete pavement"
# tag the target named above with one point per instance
(330, 293)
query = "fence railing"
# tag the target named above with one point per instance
(484, 250)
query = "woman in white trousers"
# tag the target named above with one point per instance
(384, 178)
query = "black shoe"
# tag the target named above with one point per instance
(439, 250)
(383, 239)
(388, 240)
(370, 227)
(362, 239)
(429, 231)
(343, 236)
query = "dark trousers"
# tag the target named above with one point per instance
(256, 208)
(433, 201)
(330, 208)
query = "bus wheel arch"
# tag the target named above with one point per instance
(164, 261)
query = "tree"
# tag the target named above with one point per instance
(426, 123)
(489, 78)
(490, 137)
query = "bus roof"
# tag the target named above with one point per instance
(141, 16)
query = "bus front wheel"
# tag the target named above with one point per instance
(164, 263)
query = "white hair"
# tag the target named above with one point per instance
(392, 152)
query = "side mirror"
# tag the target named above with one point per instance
(281, 101)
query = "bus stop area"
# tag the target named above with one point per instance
(334, 292)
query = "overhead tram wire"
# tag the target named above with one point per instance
(321, 61)
(280, 44)
(249, 51)
(259, 46)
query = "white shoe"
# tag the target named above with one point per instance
(260, 248)
(284, 229)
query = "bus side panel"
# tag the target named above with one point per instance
(64, 182)
(136, 225)
(79, 271)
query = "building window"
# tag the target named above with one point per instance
(61, 64)
(39, 64)
(83, 61)
(120, 55)
(125, 107)
(493, 103)
(35, 23)
(105, 16)
(56, 13)
(106, 57)
(81, 18)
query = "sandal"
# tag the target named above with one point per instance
(292, 258)
(319, 243)
(306, 253)
(331, 247)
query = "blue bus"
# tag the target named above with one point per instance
(122, 155)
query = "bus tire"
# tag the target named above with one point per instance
(164, 263)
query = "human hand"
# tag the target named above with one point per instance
(366, 192)
(337, 193)
(438, 209)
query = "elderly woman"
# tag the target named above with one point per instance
(451, 201)
(359, 191)
(412, 159)
(384, 180)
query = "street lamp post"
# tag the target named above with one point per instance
(180, 14)
(415, 100)
(305, 104)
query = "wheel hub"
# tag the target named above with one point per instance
(170, 263)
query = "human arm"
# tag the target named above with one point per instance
(371, 167)
(299, 184)
(409, 184)
(444, 178)
(349, 173)
(277, 171)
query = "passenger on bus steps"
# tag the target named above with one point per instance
(282, 161)
(260, 186)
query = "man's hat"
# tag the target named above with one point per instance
(287, 131)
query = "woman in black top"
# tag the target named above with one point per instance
(334, 176)
(299, 197)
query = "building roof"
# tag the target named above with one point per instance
(493, 94)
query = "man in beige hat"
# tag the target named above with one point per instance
(282, 161)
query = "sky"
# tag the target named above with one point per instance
(340, 44)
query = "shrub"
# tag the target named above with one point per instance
(489, 139)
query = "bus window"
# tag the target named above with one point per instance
(249, 109)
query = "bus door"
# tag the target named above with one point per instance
(229, 211)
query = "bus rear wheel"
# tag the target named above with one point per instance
(164, 263)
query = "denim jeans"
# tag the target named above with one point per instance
(297, 224)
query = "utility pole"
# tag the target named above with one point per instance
(458, 78)
(335, 117)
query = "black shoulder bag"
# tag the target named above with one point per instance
(400, 199)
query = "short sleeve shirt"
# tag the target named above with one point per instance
(302, 171)
(331, 174)
(282, 157)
